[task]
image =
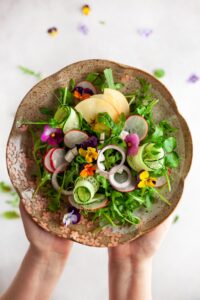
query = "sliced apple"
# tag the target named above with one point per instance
(118, 100)
(92, 106)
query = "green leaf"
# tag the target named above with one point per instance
(14, 201)
(31, 72)
(169, 144)
(116, 127)
(157, 134)
(5, 188)
(109, 78)
(159, 73)
(65, 96)
(97, 79)
(71, 85)
(10, 214)
(176, 219)
(46, 111)
(172, 160)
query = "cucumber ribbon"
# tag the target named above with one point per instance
(85, 190)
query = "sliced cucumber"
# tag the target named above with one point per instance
(61, 115)
(102, 202)
(83, 194)
(136, 162)
(72, 121)
(85, 189)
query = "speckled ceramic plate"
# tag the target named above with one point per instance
(21, 165)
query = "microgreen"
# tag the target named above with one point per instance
(13, 201)
(28, 71)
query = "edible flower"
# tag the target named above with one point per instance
(83, 29)
(53, 31)
(88, 170)
(193, 78)
(52, 136)
(86, 9)
(132, 140)
(72, 217)
(90, 154)
(81, 93)
(146, 180)
(91, 142)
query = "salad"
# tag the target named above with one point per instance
(101, 153)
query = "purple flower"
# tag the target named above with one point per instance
(193, 78)
(52, 136)
(132, 140)
(145, 32)
(83, 29)
(72, 217)
(91, 142)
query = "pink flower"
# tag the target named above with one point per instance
(132, 140)
(52, 136)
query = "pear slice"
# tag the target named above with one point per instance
(118, 100)
(90, 108)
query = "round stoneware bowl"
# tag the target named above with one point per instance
(20, 162)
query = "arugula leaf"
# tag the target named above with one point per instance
(112, 157)
(97, 79)
(116, 127)
(176, 219)
(169, 144)
(14, 201)
(65, 96)
(172, 160)
(46, 111)
(5, 188)
(10, 214)
(30, 72)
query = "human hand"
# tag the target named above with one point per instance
(42, 265)
(143, 248)
(42, 241)
(130, 265)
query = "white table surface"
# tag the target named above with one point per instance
(174, 45)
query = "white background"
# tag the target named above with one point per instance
(174, 46)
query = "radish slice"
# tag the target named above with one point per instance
(47, 161)
(57, 158)
(122, 180)
(54, 180)
(160, 181)
(91, 207)
(75, 137)
(137, 124)
(101, 158)
(87, 85)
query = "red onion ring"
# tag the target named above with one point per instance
(54, 180)
(115, 168)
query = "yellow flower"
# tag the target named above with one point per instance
(90, 154)
(146, 180)
(85, 9)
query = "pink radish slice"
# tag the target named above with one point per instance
(91, 207)
(137, 124)
(54, 180)
(101, 158)
(47, 161)
(75, 137)
(161, 181)
(87, 85)
(57, 158)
